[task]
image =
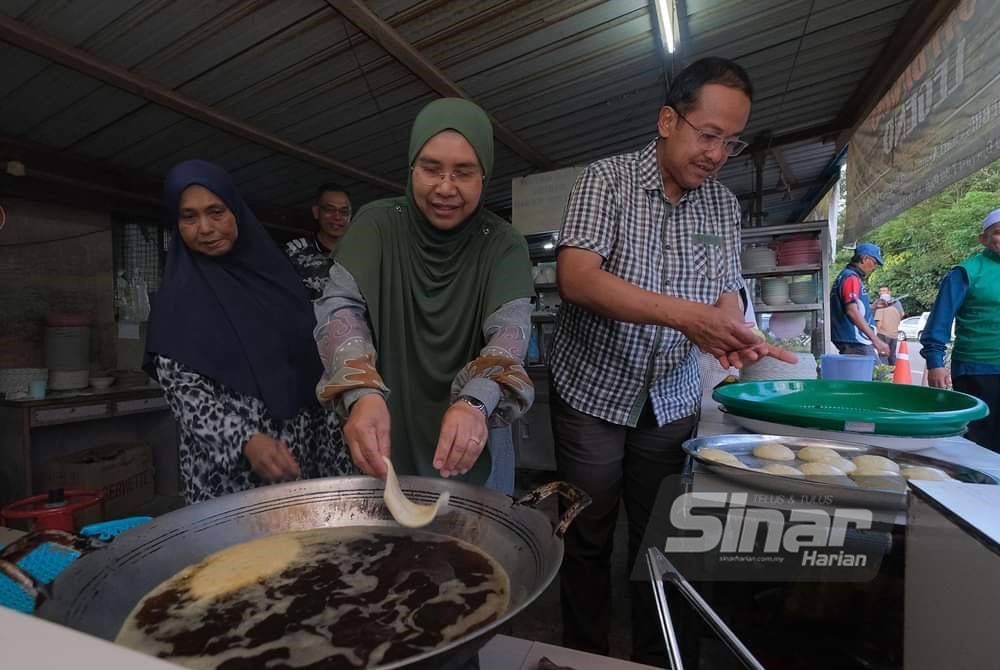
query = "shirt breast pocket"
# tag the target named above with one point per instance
(708, 261)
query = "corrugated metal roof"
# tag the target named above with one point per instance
(576, 80)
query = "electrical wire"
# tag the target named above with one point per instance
(55, 240)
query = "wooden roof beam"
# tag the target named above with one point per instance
(749, 195)
(45, 46)
(389, 39)
(822, 133)
(98, 186)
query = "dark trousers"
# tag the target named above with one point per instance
(985, 432)
(891, 342)
(611, 463)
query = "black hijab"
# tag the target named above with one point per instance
(243, 319)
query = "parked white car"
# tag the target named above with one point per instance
(912, 327)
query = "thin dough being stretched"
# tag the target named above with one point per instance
(404, 511)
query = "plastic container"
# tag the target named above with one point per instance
(67, 347)
(848, 367)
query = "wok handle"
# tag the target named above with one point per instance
(576, 496)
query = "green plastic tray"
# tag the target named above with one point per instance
(854, 406)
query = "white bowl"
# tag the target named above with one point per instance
(102, 382)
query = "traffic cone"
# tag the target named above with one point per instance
(902, 375)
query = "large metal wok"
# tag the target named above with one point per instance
(97, 593)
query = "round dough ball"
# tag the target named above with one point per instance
(781, 469)
(819, 455)
(884, 480)
(926, 473)
(872, 462)
(874, 472)
(843, 464)
(814, 468)
(774, 451)
(720, 456)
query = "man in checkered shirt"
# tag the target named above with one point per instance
(648, 269)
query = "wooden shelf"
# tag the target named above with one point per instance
(762, 308)
(785, 270)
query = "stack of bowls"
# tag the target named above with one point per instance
(756, 259)
(774, 291)
(802, 251)
(787, 325)
(802, 291)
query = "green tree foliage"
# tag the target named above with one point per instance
(922, 244)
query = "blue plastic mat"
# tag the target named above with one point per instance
(108, 530)
(46, 561)
(15, 597)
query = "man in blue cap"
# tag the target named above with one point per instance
(970, 296)
(852, 320)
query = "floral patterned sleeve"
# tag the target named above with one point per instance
(345, 345)
(497, 377)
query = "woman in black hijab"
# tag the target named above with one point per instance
(230, 341)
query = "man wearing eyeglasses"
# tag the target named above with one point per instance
(648, 269)
(312, 257)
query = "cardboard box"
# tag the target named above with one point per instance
(123, 472)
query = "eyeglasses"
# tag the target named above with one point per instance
(710, 141)
(330, 209)
(432, 176)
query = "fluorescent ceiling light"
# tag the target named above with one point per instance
(548, 245)
(665, 15)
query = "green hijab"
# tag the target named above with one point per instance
(429, 291)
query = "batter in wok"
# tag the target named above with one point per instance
(328, 598)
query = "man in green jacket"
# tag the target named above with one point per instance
(970, 295)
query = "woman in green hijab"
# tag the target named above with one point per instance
(424, 324)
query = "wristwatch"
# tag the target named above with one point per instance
(475, 402)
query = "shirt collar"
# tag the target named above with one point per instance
(649, 174)
(319, 245)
